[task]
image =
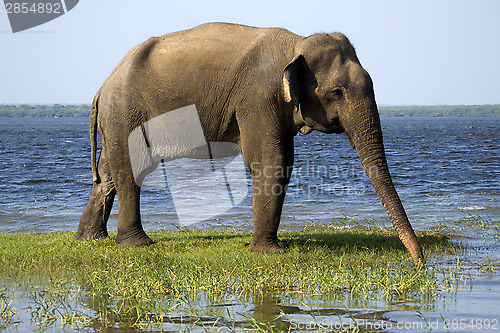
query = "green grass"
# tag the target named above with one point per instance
(218, 262)
(140, 286)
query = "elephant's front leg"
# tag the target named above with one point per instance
(270, 178)
(130, 231)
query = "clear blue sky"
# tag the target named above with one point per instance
(417, 52)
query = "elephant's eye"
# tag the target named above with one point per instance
(335, 94)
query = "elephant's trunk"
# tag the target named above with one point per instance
(365, 133)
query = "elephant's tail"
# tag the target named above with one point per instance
(93, 138)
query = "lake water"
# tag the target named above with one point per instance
(445, 170)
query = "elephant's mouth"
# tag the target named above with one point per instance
(334, 126)
(337, 129)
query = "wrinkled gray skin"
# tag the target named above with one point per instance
(254, 87)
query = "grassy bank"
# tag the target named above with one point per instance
(137, 285)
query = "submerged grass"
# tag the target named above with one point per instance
(6, 312)
(141, 285)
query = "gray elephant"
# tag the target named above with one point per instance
(254, 87)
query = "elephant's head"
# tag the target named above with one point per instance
(332, 93)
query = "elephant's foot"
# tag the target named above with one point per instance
(91, 234)
(271, 246)
(137, 238)
(281, 244)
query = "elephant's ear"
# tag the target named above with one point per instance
(291, 80)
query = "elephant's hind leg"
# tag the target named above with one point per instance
(95, 217)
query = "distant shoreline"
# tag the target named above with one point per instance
(83, 110)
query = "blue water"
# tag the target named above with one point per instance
(443, 168)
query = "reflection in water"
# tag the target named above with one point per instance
(473, 296)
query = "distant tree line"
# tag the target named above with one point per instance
(441, 111)
(40, 110)
(82, 110)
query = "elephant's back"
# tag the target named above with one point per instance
(215, 35)
(200, 66)
(212, 48)
(213, 44)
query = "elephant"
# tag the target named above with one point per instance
(254, 87)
